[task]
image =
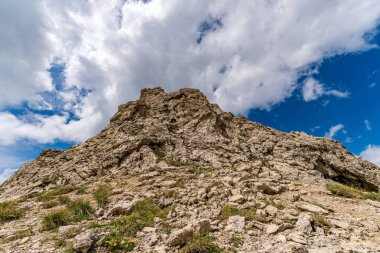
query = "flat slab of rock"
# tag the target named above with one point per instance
(84, 241)
(185, 234)
(272, 229)
(235, 224)
(295, 237)
(237, 199)
(312, 208)
(271, 210)
(121, 208)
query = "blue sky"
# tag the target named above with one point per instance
(311, 66)
(359, 113)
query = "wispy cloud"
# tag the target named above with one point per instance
(368, 125)
(312, 90)
(334, 130)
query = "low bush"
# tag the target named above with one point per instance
(321, 221)
(50, 195)
(201, 244)
(50, 204)
(9, 211)
(248, 213)
(81, 190)
(75, 211)
(64, 200)
(80, 209)
(124, 230)
(102, 194)
(351, 192)
(56, 219)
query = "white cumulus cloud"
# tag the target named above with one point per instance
(372, 154)
(242, 54)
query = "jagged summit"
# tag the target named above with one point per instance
(210, 159)
(185, 127)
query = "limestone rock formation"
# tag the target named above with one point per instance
(170, 160)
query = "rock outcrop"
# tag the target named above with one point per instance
(259, 189)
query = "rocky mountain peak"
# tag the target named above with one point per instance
(222, 176)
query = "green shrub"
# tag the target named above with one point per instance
(248, 213)
(320, 221)
(64, 200)
(236, 241)
(50, 195)
(9, 210)
(279, 206)
(124, 230)
(50, 204)
(102, 194)
(201, 244)
(80, 209)
(56, 219)
(351, 192)
(18, 235)
(81, 190)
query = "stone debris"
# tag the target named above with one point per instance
(208, 177)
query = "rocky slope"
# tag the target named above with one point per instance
(174, 173)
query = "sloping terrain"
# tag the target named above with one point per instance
(174, 173)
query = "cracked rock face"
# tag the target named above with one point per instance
(188, 155)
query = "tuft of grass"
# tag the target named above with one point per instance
(18, 235)
(170, 193)
(81, 190)
(247, 213)
(75, 211)
(50, 195)
(60, 242)
(9, 211)
(80, 210)
(236, 241)
(180, 183)
(201, 244)
(320, 221)
(168, 161)
(50, 204)
(124, 230)
(64, 200)
(351, 192)
(279, 206)
(102, 194)
(56, 219)
(372, 196)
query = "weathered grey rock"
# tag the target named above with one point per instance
(237, 199)
(235, 224)
(187, 155)
(85, 240)
(121, 208)
(339, 223)
(271, 210)
(185, 234)
(298, 238)
(272, 229)
(303, 224)
(66, 229)
(312, 208)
